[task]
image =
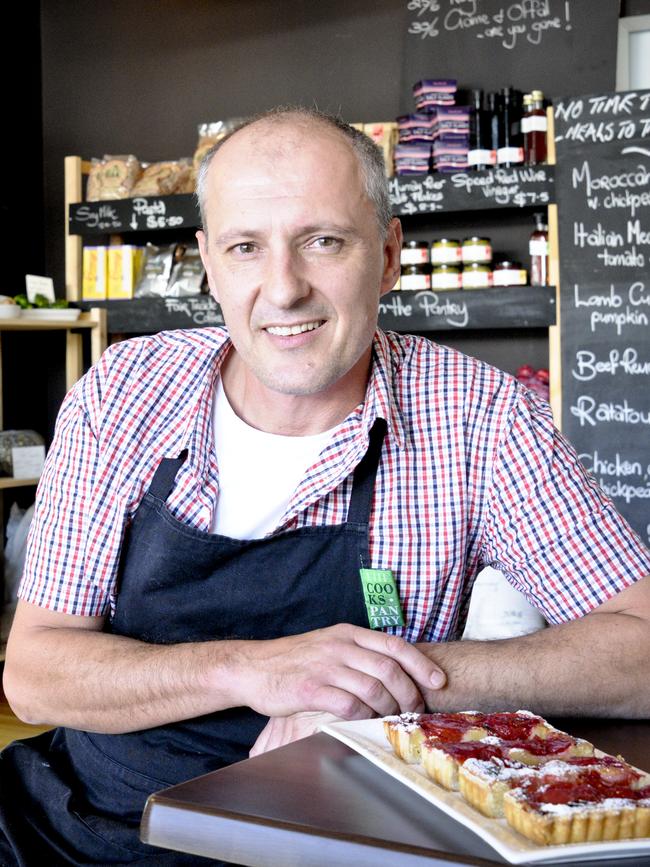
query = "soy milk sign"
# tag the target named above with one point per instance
(603, 195)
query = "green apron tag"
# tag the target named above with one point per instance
(381, 597)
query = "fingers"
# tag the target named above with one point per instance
(378, 681)
(416, 664)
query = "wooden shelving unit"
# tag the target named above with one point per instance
(92, 321)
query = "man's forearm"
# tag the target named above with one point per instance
(108, 683)
(596, 666)
(64, 670)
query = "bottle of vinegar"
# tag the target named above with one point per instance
(538, 249)
(534, 128)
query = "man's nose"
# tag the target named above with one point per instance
(284, 279)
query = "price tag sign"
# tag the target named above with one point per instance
(39, 286)
(27, 461)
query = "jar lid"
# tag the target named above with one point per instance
(537, 95)
(446, 242)
(477, 266)
(415, 245)
(420, 268)
(475, 240)
(507, 265)
(446, 269)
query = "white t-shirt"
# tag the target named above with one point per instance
(258, 472)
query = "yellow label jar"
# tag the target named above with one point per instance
(446, 277)
(477, 250)
(477, 276)
(446, 251)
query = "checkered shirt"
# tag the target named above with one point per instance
(472, 473)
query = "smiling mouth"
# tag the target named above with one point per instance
(290, 330)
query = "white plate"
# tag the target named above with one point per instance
(367, 738)
(9, 311)
(60, 314)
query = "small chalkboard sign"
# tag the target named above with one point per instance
(140, 214)
(603, 192)
(517, 187)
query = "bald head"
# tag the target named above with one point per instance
(277, 131)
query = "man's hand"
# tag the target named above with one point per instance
(345, 670)
(281, 730)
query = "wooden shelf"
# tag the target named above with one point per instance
(86, 320)
(511, 307)
(9, 482)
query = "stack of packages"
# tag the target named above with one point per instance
(451, 138)
(436, 136)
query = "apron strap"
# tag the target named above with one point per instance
(363, 483)
(163, 480)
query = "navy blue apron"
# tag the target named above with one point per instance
(74, 797)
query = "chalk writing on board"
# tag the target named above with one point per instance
(619, 477)
(152, 214)
(614, 309)
(605, 118)
(430, 304)
(98, 217)
(201, 310)
(507, 25)
(517, 187)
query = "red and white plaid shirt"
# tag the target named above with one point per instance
(472, 474)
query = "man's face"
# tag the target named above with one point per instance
(295, 257)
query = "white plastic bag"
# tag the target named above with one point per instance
(15, 549)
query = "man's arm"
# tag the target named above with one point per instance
(596, 665)
(63, 669)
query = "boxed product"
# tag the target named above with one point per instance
(124, 264)
(156, 271)
(94, 274)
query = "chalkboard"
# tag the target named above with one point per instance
(517, 187)
(512, 307)
(603, 193)
(134, 215)
(527, 43)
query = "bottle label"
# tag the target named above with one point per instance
(415, 256)
(538, 247)
(477, 253)
(446, 255)
(510, 277)
(446, 281)
(477, 279)
(510, 155)
(415, 281)
(481, 157)
(534, 123)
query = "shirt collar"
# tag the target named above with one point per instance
(381, 401)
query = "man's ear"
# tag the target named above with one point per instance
(392, 256)
(202, 238)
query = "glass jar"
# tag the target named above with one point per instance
(476, 250)
(446, 277)
(415, 277)
(477, 275)
(509, 273)
(446, 251)
(415, 253)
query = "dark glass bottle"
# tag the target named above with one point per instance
(481, 154)
(534, 128)
(510, 151)
(493, 112)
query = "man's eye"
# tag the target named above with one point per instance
(244, 249)
(326, 243)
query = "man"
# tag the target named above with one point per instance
(211, 503)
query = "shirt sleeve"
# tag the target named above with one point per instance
(55, 576)
(550, 529)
